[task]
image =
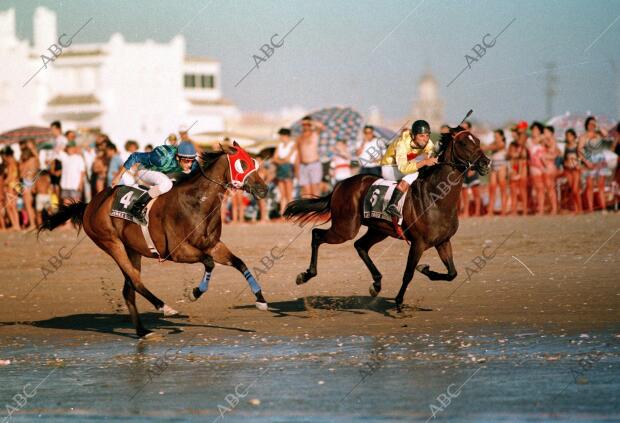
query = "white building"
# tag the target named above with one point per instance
(141, 91)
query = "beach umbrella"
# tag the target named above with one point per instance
(38, 133)
(340, 123)
(576, 121)
(212, 139)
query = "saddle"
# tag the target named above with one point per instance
(123, 207)
(377, 199)
(125, 198)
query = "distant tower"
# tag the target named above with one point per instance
(550, 91)
(428, 105)
(45, 31)
(374, 116)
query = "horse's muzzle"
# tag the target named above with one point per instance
(483, 165)
(259, 190)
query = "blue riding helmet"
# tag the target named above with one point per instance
(186, 149)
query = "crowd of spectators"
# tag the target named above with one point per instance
(532, 172)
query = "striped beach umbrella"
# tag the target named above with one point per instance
(340, 123)
(38, 133)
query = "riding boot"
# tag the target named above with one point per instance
(392, 208)
(139, 206)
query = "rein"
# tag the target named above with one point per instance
(459, 164)
(226, 185)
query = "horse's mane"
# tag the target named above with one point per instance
(206, 160)
(209, 157)
(444, 140)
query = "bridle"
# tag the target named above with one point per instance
(458, 164)
(226, 185)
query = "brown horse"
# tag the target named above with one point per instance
(429, 213)
(184, 223)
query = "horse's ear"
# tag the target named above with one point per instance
(228, 149)
(235, 143)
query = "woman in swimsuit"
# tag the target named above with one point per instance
(551, 153)
(499, 167)
(12, 186)
(29, 170)
(592, 153)
(518, 157)
(536, 163)
(572, 168)
(283, 159)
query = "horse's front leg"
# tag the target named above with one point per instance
(445, 254)
(415, 252)
(221, 254)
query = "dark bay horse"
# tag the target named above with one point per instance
(430, 215)
(184, 223)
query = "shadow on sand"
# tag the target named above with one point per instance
(355, 304)
(115, 324)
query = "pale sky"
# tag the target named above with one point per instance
(365, 53)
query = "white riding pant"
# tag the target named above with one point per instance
(158, 182)
(391, 173)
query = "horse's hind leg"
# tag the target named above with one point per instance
(363, 245)
(132, 283)
(415, 252)
(136, 262)
(445, 254)
(130, 299)
(329, 236)
(159, 305)
(208, 263)
(221, 254)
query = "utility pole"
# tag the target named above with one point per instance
(550, 92)
(616, 83)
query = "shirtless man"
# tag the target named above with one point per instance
(43, 191)
(308, 169)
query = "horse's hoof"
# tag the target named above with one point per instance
(169, 311)
(399, 306)
(194, 294)
(146, 334)
(300, 279)
(422, 268)
(261, 306)
(373, 291)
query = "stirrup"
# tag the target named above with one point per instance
(392, 210)
(140, 215)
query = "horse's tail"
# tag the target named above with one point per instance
(74, 211)
(309, 208)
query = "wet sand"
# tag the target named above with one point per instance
(532, 331)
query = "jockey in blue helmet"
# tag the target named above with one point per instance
(153, 168)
